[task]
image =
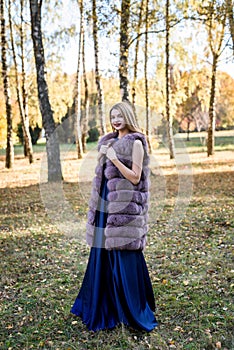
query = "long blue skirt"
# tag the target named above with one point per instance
(116, 287)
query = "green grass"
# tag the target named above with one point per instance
(191, 268)
(224, 140)
(221, 143)
(40, 147)
(197, 141)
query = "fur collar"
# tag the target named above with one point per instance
(110, 138)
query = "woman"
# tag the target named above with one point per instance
(116, 287)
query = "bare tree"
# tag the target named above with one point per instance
(97, 73)
(124, 44)
(52, 144)
(167, 71)
(10, 147)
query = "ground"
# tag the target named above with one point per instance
(189, 252)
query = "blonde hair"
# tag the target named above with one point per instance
(127, 111)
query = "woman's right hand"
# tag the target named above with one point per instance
(103, 149)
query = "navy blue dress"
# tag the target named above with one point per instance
(116, 287)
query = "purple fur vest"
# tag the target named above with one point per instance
(127, 205)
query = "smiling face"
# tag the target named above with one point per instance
(117, 120)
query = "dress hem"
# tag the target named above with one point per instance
(110, 327)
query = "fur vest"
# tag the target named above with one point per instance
(126, 226)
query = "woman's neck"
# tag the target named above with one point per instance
(123, 132)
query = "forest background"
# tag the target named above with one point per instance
(64, 63)
(164, 57)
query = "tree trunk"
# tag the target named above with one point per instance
(86, 98)
(123, 63)
(188, 129)
(25, 124)
(10, 147)
(27, 136)
(77, 88)
(146, 77)
(97, 74)
(211, 126)
(136, 54)
(167, 71)
(52, 144)
(230, 14)
(216, 50)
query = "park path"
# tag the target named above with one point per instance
(83, 170)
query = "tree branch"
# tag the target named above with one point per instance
(224, 47)
(154, 31)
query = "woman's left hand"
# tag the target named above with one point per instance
(111, 154)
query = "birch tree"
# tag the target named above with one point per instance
(230, 15)
(86, 97)
(135, 66)
(167, 77)
(147, 108)
(28, 141)
(21, 93)
(52, 144)
(97, 72)
(124, 42)
(78, 87)
(10, 147)
(216, 27)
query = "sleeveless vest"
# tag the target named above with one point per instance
(127, 205)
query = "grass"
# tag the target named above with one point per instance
(197, 141)
(190, 263)
(40, 147)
